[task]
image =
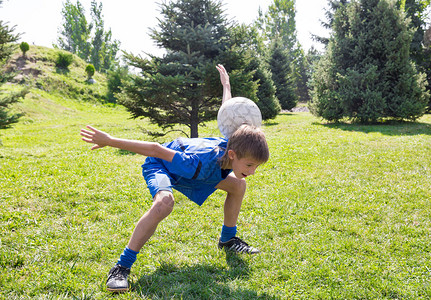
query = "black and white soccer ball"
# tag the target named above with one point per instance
(236, 112)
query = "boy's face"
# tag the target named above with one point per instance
(242, 167)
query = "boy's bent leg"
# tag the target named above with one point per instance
(235, 189)
(163, 205)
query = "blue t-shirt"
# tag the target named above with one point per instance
(195, 169)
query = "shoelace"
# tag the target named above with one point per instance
(118, 273)
(241, 246)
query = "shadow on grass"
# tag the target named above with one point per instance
(391, 128)
(202, 281)
(270, 123)
(125, 152)
(62, 70)
(285, 113)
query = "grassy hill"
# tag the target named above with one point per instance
(38, 69)
(339, 212)
(53, 91)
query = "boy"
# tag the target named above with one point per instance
(196, 168)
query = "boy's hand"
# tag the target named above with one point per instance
(224, 77)
(97, 137)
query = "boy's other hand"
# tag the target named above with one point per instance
(224, 76)
(97, 137)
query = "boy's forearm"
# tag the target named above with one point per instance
(151, 149)
(226, 93)
(138, 147)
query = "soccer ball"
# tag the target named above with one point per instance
(235, 112)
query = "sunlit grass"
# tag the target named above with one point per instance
(339, 212)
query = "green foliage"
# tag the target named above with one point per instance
(278, 28)
(305, 70)
(366, 73)
(282, 77)
(332, 7)
(103, 51)
(417, 11)
(24, 47)
(67, 83)
(115, 78)
(6, 101)
(7, 37)
(64, 60)
(339, 212)
(182, 87)
(90, 70)
(77, 36)
(266, 99)
(278, 23)
(75, 31)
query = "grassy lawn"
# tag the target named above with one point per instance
(339, 212)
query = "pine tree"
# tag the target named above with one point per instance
(266, 99)
(183, 86)
(420, 52)
(278, 28)
(7, 38)
(366, 74)
(333, 6)
(282, 77)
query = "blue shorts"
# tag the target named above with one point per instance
(159, 178)
(156, 176)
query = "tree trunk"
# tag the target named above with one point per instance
(194, 119)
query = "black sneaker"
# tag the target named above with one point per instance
(117, 279)
(237, 245)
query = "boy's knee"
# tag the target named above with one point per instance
(163, 204)
(241, 186)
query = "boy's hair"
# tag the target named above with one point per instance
(247, 141)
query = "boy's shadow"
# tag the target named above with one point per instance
(203, 281)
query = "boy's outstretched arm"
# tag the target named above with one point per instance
(224, 78)
(101, 139)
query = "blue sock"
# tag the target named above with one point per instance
(227, 233)
(127, 258)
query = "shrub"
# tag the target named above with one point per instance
(90, 70)
(24, 47)
(116, 77)
(64, 60)
(366, 74)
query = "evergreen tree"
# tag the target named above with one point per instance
(116, 77)
(305, 69)
(333, 6)
(366, 73)
(182, 86)
(415, 11)
(282, 77)
(426, 62)
(254, 45)
(7, 38)
(278, 27)
(419, 51)
(266, 99)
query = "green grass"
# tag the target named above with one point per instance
(339, 212)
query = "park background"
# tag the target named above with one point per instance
(341, 210)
